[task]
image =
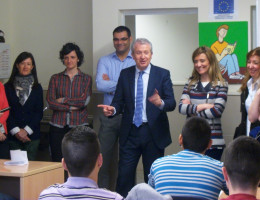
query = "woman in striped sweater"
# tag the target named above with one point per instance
(205, 95)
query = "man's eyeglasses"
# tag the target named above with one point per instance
(120, 39)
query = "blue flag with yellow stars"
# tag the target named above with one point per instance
(223, 6)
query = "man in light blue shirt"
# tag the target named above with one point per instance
(108, 71)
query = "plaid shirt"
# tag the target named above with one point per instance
(74, 93)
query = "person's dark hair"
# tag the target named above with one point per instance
(196, 134)
(69, 47)
(80, 150)
(2, 36)
(242, 162)
(20, 58)
(120, 29)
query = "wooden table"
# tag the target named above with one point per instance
(27, 182)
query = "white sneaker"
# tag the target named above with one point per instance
(235, 76)
(241, 76)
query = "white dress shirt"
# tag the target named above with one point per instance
(252, 89)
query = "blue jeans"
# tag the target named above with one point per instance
(230, 62)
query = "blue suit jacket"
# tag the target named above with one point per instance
(30, 113)
(124, 101)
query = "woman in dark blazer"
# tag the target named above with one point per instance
(25, 96)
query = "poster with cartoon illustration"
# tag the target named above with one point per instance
(229, 42)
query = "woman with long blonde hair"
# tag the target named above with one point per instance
(205, 95)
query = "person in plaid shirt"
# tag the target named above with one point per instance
(68, 95)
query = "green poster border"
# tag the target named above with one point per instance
(237, 32)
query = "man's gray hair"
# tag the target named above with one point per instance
(141, 41)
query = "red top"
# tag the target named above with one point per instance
(3, 104)
(240, 197)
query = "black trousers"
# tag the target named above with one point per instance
(56, 135)
(214, 153)
(139, 143)
(4, 149)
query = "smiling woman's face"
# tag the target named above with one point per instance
(25, 67)
(253, 66)
(201, 64)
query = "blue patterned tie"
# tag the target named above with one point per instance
(138, 119)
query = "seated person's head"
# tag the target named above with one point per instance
(81, 151)
(196, 135)
(2, 38)
(242, 164)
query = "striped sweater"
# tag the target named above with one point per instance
(197, 94)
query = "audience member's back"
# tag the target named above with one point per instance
(190, 172)
(242, 168)
(82, 160)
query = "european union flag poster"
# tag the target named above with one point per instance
(223, 6)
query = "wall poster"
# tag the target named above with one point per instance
(4, 60)
(222, 9)
(229, 42)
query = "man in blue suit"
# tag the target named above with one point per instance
(144, 94)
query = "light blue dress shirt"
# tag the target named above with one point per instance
(78, 188)
(145, 86)
(112, 66)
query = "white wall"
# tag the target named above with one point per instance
(42, 27)
(171, 35)
(102, 44)
(258, 22)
